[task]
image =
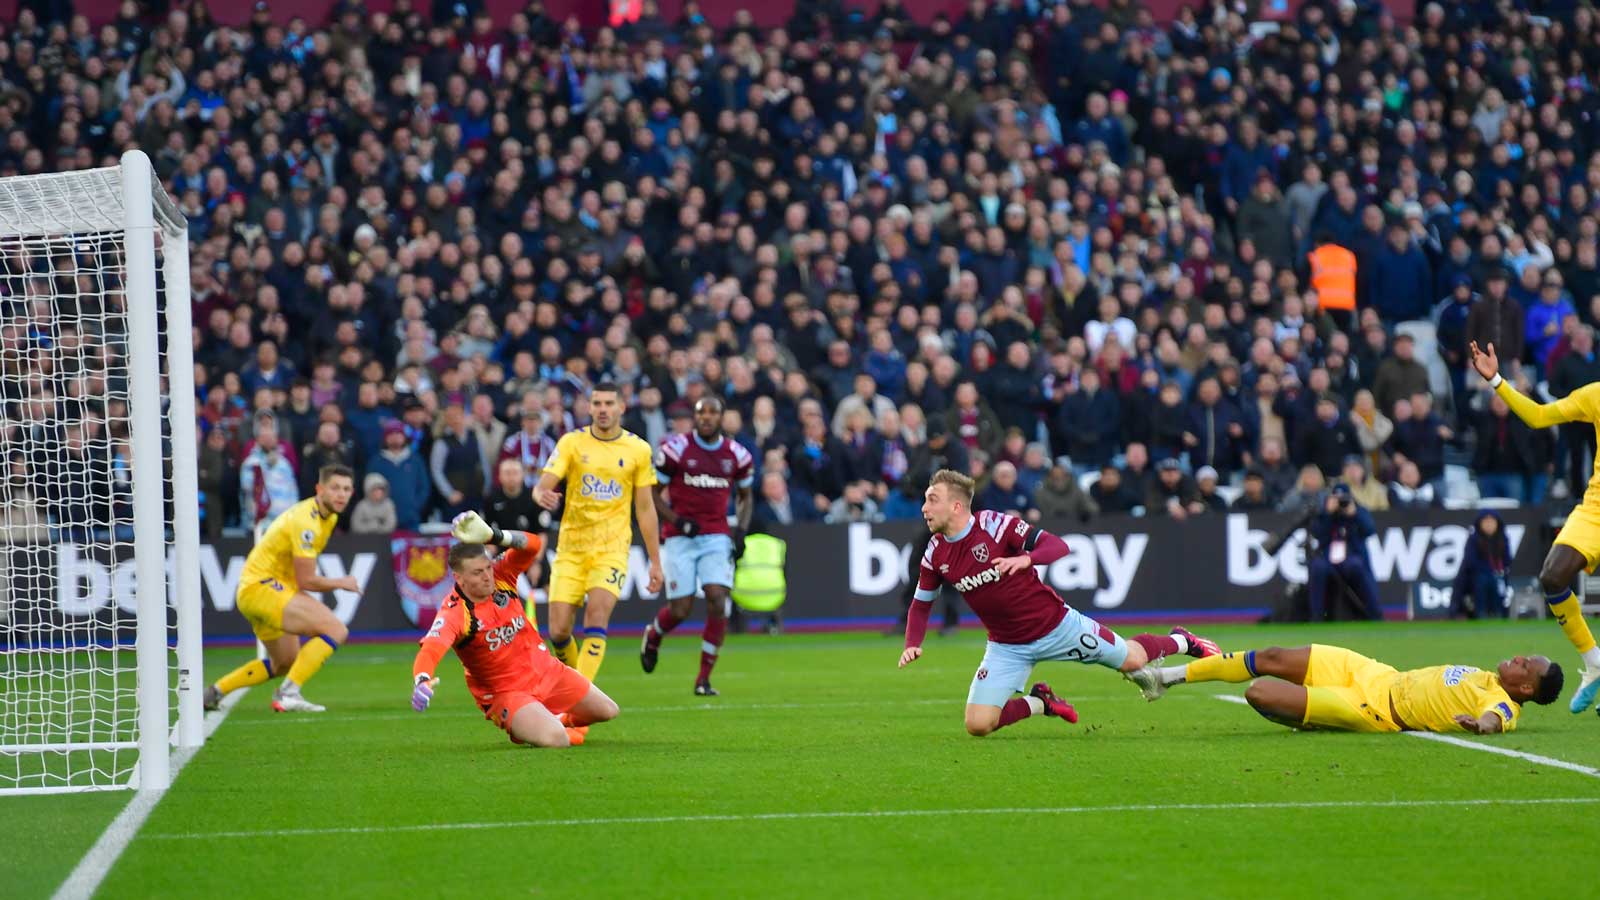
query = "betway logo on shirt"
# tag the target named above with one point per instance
(705, 481)
(593, 486)
(971, 581)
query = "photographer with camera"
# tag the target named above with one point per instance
(1340, 561)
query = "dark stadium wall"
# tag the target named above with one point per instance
(839, 577)
(592, 13)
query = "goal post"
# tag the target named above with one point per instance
(100, 661)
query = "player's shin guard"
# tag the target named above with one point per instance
(312, 655)
(594, 652)
(1233, 667)
(710, 645)
(1569, 615)
(566, 650)
(252, 673)
(664, 622)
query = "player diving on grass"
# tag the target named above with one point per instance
(274, 594)
(990, 558)
(1323, 687)
(697, 473)
(520, 687)
(606, 470)
(1577, 547)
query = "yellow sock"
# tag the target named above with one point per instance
(1569, 615)
(594, 652)
(252, 673)
(566, 651)
(313, 654)
(1233, 667)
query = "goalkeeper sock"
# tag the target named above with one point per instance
(664, 622)
(594, 652)
(566, 650)
(1019, 708)
(254, 672)
(710, 644)
(312, 655)
(1234, 667)
(1569, 615)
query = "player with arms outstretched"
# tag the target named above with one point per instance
(697, 473)
(606, 469)
(1577, 546)
(990, 559)
(1324, 687)
(519, 686)
(275, 595)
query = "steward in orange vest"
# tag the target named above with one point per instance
(1333, 275)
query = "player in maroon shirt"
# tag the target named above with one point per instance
(990, 559)
(696, 473)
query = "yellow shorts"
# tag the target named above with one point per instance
(1582, 533)
(262, 602)
(575, 574)
(1346, 691)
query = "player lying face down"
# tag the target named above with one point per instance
(1325, 687)
(513, 678)
(990, 558)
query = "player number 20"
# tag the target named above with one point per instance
(1090, 644)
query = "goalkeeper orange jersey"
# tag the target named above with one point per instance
(499, 647)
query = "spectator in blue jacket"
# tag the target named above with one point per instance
(1246, 158)
(1090, 423)
(1098, 125)
(1480, 585)
(1546, 316)
(407, 474)
(1341, 531)
(1401, 282)
(1213, 430)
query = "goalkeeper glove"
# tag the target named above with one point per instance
(422, 692)
(470, 528)
(686, 527)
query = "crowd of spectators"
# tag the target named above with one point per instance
(1059, 246)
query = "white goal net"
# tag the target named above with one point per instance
(98, 515)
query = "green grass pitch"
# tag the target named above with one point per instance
(823, 770)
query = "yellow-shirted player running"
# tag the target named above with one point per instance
(606, 470)
(1577, 546)
(274, 595)
(1325, 687)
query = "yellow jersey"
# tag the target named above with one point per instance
(300, 531)
(601, 476)
(1430, 699)
(1582, 405)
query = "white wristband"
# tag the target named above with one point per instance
(1496, 380)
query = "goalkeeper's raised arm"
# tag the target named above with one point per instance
(1582, 405)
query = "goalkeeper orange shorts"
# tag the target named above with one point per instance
(557, 687)
(262, 603)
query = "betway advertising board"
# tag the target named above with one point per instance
(1214, 563)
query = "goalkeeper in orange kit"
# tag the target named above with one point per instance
(513, 678)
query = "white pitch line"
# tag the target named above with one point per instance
(880, 814)
(1474, 745)
(96, 864)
